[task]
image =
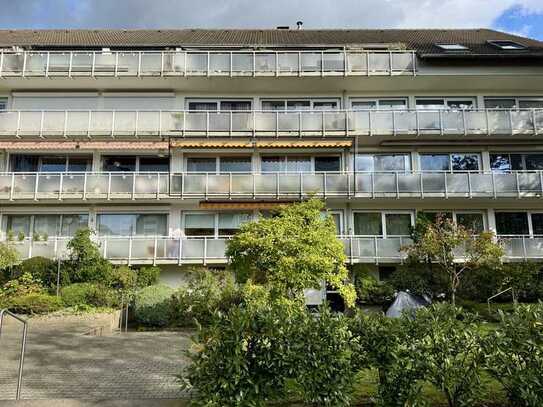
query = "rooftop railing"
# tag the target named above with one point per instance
(17, 186)
(31, 124)
(205, 63)
(204, 250)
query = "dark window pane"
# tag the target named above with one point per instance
(364, 105)
(199, 106)
(24, 163)
(53, 164)
(202, 164)
(72, 223)
(537, 223)
(152, 164)
(430, 162)
(199, 224)
(465, 162)
(471, 221)
(430, 104)
(298, 104)
(398, 224)
(115, 224)
(273, 105)
(272, 164)
(18, 224)
(327, 164)
(530, 104)
(235, 164)
(460, 104)
(46, 225)
(534, 161)
(79, 164)
(392, 104)
(368, 223)
(120, 163)
(500, 103)
(324, 105)
(151, 225)
(235, 105)
(512, 223)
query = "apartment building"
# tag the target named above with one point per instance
(164, 142)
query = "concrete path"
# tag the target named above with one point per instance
(68, 365)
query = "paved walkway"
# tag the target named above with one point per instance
(70, 365)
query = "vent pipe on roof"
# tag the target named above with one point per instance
(299, 23)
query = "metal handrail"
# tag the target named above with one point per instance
(23, 346)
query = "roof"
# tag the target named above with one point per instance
(421, 40)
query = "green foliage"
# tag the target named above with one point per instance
(388, 345)
(450, 352)
(442, 241)
(123, 278)
(147, 275)
(23, 285)
(526, 280)
(419, 279)
(93, 294)
(206, 293)
(8, 255)
(515, 355)
(34, 303)
(250, 356)
(371, 291)
(486, 313)
(293, 250)
(152, 305)
(85, 262)
(44, 269)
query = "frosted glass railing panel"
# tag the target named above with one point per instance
(173, 62)
(97, 184)
(143, 248)
(381, 121)
(453, 121)
(128, 63)
(409, 183)
(73, 184)
(379, 62)
(151, 183)
(59, 63)
(8, 121)
(266, 121)
(51, 121)
(82, 63)
(5, 185)
(530, 182)
(197, 121)
(242, 63)
(476, 121)
(193, 249)
(362, 247)
(115, 248)
(311, 62)
(481, 184)
(334, 121)
(434, 183)
(13, 63)
(534, 248)
(36, 64)
(265, 63)
(150, 122)
(338, 184)
(243, 184)
(333, 62)
(219, 63)
(121, 183)
(457, 183)
(384, 183)
(267, 184)
(48, 183)
(218, 184)
(196, 62)
(522, 121)
(23, 248)
(390, 247)
(405, 121)
(313, 183)
(125, 122)
(152, 63)
(104, 64)
(44, 249)
(360, 121)
(78, 122)
(289, 184)
(215, 249)
(167, 248)
(428, 120)
(402, 62)
(288, 62)
(357, 63)
(30, 122)
(24, 185)
(514, 247)
(289, 121)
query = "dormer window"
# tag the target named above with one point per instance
(507, 45)
(452, 47)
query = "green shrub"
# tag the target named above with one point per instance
(480, 284)
(483, 311)
(93, 294)
(147, 275)
(515, 355)
(371, 291)
(34, 303)
(420, 280)
(152, 305)
(43, 269)
(206, 292)
(23, 285)
(123, 278)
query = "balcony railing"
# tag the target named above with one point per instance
(321, 123)
(203, 250)
(161, 185)
(205, 63)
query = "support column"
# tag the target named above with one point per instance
(96, 161)
(491, 221)
(485, 158)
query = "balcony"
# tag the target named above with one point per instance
(167, 250)
(47, 124)
(205, 63)
(46, 186)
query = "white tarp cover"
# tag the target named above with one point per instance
(406, 301)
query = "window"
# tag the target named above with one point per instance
(445, 103)
(452, 47)
(513, 103)
(219, 105)
(36, 163)
(382, 162)
(507, 45)
(131, 224)
(3, 104)
(455, 162)
(64, 225)
(473, 221)
(337, 217)
(219, 164)
(504, 162)
(300, 104)
(135, 163)
(214, 224)
(382, 224)
(291, 163)
(512, 223)
(384, 104)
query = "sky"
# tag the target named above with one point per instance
(522, 17)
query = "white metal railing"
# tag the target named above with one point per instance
(205, 63)
(342, 123)
(157, 250)
(235, 185)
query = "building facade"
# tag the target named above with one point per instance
(165, 142)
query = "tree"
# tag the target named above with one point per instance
(8, 256)
(294, 250)
(453, 248)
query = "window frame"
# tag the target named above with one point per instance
(216, 215)
(455, 212)
(517, 46)
(523, 156)
(137, 163)
(217, 158)
(408, 160)
(217, 102)
(378, 102)
(60, 218)
(134, 235)
(301, 99)
(456, 47)
(385, 234)
(445, 100)
(530, 222)
(285, 157)
(515, 99)
(451, 170)
(66, 162)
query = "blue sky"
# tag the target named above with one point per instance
(524, 17)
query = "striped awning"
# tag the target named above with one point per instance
(84, 145)
(261, 144)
